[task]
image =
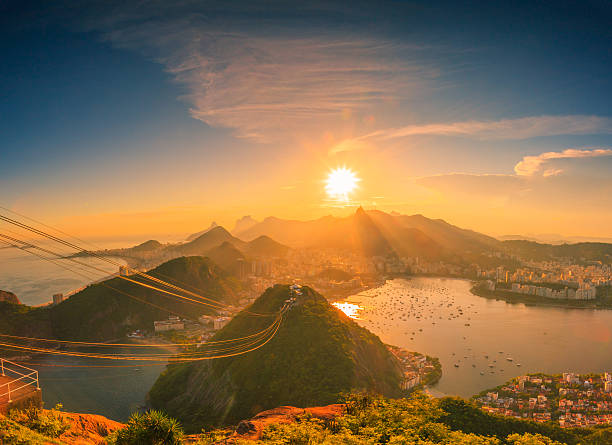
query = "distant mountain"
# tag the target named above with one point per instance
(577, 251)
(198, 234)
(147, 246)
(109, 310)
(243, 224)
(317, 354)
(207, 241)
(551, 238)
(376, 233)
(264, 246)
(227, 257)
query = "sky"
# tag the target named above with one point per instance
(153, 118)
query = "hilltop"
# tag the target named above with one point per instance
(202, 232)
(317, 354)
(112, 308)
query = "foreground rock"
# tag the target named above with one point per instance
(86, 429)
(253, 429)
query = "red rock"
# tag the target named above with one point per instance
(253, 428)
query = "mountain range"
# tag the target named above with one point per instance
(374, 233)
(368, 233)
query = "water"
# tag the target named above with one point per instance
(34, 280)
(541, 339)
(112, 392)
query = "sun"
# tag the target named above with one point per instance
(340, 183)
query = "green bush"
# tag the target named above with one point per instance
(50, 423)
(151, 428)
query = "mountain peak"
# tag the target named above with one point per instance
(243, 224)
(198, 234)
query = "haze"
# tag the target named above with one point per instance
(156, 118)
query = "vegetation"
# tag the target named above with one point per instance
(151, 428)
(48, 423)
(367, 420)
(12, 433)
(418, 419)
(101, 313)
(317, 354)
(432, 377)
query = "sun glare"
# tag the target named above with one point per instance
(350, 309)
(340, 183)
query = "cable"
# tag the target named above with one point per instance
(218, 305)
(103, 283)
(177, 359)
(87, 252)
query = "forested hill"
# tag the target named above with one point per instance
(578, 251)
(110, 309)
(317, 354)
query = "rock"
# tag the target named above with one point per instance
(88, 429)
(253, 429)
(9, 297)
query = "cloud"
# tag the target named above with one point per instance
(265, 81)
(532, 165)
(520, 128)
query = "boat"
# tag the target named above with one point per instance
(509, 359)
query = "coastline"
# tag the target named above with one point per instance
(532, 300)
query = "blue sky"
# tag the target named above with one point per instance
(492, 116)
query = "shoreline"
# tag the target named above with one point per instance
(532, 300)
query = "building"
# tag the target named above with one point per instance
(219, 322)
(206, 320)
(58, 298)
(173, 323)
(411, 379)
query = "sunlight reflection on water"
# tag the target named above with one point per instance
(350, 309)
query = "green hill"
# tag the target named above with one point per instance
(101, 313)
(227, 257)
(317, 354)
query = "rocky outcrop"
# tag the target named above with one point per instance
(8, 297)
(88, 429)
(253, 429)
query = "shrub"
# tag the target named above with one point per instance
(50, 423)
(152, 428)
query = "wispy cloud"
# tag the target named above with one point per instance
(532, 165)
(265, 82)
(520, 128)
